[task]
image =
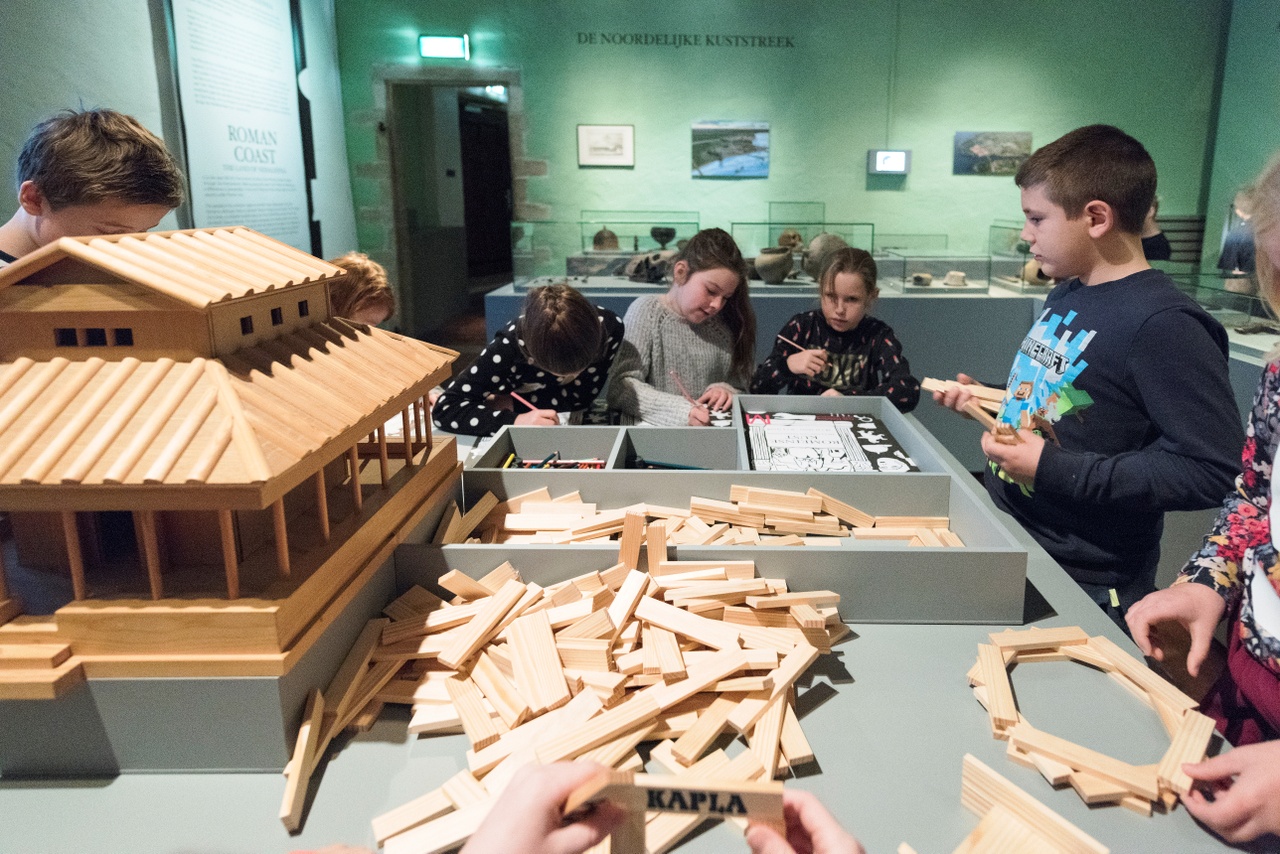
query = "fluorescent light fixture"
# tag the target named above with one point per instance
(445, 47)
(882, 161)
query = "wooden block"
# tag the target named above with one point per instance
(609, 724)
(767, 733)
(728, 592)
(807, 616)
(815, 598)
(435, 718)
(483, 625)
(712, 633)
(498, 690)
(1148, 680)
(735, 569)
(629, 595)
(416, 602)
(1011, 639)
(539, 676)
(975, 411)
(518, 746)
(441, 834)
(702, 675)
(844, 512)
(418, 811)
(1001, 707)
(591, 654)
(463, 585)
(338, 695)
(1086, 654)
(597, 624)
(656, 544)
(885, 533)
(782, 498)
(1139, 781)
(578, 509)
(1054, 772)
(982, 788)
(1095, 790)
(949, 537)
(667, 648)
(1188, 744)
(471, 519)
(689, 748)
(468, 702)
(632, 537)
(792, 666)
(450, 517)
(298, 772)
(614, 576)
(795, 746)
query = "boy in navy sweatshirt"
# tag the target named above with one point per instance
(1119, 393)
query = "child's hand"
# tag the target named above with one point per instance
(699, 416)
(527, 817)
(955, 397)
(717, 397)
(1019, 461)
(1197, 607)
(807, 363)
(1244, 783)
(831, 393)
(811, 829)
(538, 418)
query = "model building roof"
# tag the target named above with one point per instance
(248, 425)
(198, 267)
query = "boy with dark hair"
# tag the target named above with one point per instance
(1126, 376)
(89, 172)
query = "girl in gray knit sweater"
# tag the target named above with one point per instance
(696, 339)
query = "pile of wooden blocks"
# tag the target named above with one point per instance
(591, 667)
(1096, 777)
(752, 516)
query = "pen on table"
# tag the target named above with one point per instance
(511, 458)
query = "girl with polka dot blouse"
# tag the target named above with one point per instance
(556, 355)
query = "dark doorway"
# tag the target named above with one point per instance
(486, 186)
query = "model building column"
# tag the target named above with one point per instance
(282, 537)
(230, 560)
(71, 533)
(353, 463)
(149, 546)
(405, 426)
(322, 504)
(381, 433)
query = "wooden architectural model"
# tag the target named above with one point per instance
(1097, 778)
(587, 668)
(180, 422)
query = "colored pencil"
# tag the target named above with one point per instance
(520, 399)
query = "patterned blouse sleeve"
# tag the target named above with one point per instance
(463, 406)
(1243, 520)
(773, 375)
(893, 372)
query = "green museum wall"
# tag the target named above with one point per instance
(1247, 123)
(861, 75)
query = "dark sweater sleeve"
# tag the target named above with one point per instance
(463, 406)
(892, 372)
(1180, 373)
(773, 375)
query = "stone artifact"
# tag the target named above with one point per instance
(791, 239)
(955, 279)
(819, 248)
(773, 264)
(664, 234)
(922, 280)
(604, 240)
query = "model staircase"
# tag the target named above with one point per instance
(34, 664)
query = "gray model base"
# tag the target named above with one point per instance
(107, 726)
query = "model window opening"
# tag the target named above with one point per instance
(246, 326)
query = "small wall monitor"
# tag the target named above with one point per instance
(888, 161)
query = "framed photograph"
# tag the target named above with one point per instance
(607, 145)
(728, 149)
(989, 152)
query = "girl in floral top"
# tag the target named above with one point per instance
(1236, 576)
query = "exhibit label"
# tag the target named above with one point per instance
(703, 40)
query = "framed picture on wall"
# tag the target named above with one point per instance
(730, 149)
(607, 145)
(989, 152)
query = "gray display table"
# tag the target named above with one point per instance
(889, 715)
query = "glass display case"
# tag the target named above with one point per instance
(909, 243)
(928, 273)
(751, 237)
(1010, 255)
(1234, 301)
(540, 248)
(635, 231)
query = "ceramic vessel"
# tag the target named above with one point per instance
(955, 279)
(605, 240)
(791, 239)
(664, 234)
(773, 264)
(819, 248)
(1033, 275)
(921, 280)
